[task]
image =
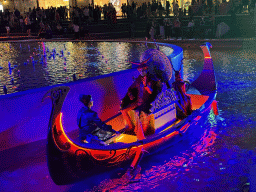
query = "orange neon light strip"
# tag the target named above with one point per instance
(172, 134)
(59, 126)
(74, 147)
(185, 127)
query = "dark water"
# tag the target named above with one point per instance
(219, 156)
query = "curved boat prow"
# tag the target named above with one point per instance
(206, 49)
(55, 163)
(57, 95)
(206, 82)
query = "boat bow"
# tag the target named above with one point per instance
(57, 95)
(206, 82)
(55, 157)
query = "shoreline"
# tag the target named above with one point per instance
(188, 43)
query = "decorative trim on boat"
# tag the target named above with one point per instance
(164, 99)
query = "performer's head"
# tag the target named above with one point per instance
(86, 100)
(143, 69)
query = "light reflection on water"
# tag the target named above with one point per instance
(39, 64)
(165, 170)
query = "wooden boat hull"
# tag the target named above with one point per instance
(69, 162)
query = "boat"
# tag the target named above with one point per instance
(69, 161)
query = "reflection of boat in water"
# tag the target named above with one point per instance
(69, 161)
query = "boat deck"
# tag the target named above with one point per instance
(197, 102)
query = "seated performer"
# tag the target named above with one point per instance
(140, 95)
(88, 121)
(185, 106)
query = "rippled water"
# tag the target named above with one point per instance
(219, 156)
(30, 65)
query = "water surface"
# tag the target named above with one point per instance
(30, 65)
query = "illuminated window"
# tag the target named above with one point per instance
(1, 8)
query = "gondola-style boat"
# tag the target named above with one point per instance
(69, 161)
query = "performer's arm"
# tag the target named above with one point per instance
(148, 86)
(130, 91)
(148, 89)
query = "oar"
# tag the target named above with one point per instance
(140, 149)
(139, 152)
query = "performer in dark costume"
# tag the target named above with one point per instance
(140, 95)
(185, 106)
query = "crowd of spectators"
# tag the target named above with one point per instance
(52, 19)
(45, 21)
(37, 19)
(169, 28)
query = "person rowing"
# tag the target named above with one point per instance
(139, 97)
